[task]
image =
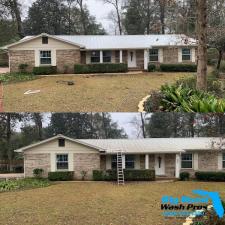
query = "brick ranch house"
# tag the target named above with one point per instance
(167, 156)
(134, 50)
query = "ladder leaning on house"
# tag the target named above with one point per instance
(120, 172)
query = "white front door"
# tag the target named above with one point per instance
(132, 61)
(160, 165)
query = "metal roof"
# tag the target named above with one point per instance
(101, 42)
(153, 145)
(140, 146)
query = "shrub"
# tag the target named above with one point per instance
(45, 70)
(184, 176)
(38, 173)
(222, 66)
(100, 68)
(151, 68)
(16, 77)
(12, 185)
(210, 176)
(178, 68)
(181, 99)
(129, 175)
(213, 56)
(98, 175)
(23, 67)
(61, 176)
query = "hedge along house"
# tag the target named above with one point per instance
(168, 157)
(134, 50)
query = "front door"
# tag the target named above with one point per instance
(132, 59)
(160, 165)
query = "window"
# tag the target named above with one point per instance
(186, 54)
(186, 161)
(62, 162)
(95, 57)
(45, 58)
(114, 162)
(44, 40)
(130, 162)
(107, 56)
(61, 142)
(154, 55)
(224, 160)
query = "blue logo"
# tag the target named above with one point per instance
(185, 205)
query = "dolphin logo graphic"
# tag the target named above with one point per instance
(216, 200)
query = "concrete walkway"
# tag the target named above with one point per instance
(4, 70)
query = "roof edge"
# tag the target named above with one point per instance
(21, 150)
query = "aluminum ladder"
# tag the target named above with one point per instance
(120, 172)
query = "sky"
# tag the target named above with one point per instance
(123, 120)
(97, 8)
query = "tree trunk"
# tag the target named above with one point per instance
(104, 126)
(38, 123)
(202, 46)
(8, 139)
(143, 126)
(118, 17)
(219, 59)
(15, 8)
(148, 17)
(162, 15)
(83, 20)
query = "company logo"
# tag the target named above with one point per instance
(186, 205)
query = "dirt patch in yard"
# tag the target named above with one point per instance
(95, 203)
(120, 93)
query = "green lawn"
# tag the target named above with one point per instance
(95, 203)
(120, 93)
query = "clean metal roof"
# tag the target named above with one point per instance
(153, 145)
(131, 146)
(116, 42)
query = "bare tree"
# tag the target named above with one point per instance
(82, 13)
(202, 45)
(117, 6)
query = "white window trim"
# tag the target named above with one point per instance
(40, 57)
(67, 162)
(186, 54)
(110, 56)
(100, 59)
(134, 161)
(188, 161)
(154, 55)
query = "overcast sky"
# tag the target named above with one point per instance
(97, 8)
(124, 121)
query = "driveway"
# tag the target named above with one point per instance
(4, 70)
(119, 93)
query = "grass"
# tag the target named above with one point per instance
(96, 203)
(16, 77)
(120, 93)
(13, 185)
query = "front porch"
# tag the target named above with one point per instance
(136, 59)
(166, 165)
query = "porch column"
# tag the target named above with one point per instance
(124, 161)
(178, 165)
(147, 161)
(101, 56)
(146, 59)
(121, 56)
